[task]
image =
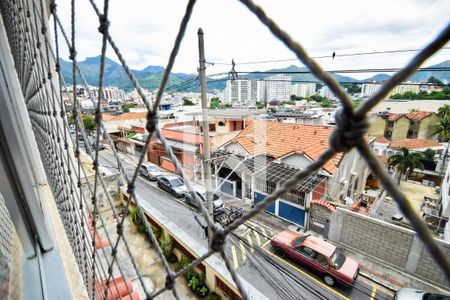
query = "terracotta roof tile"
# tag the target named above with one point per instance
(394, 117)
(280, 139)
(124, 116)
(418, 115)
(414, 144)
(324, 203)
(382, 140)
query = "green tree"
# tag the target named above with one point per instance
(356, 103)
(187, 102)
(405, 162)
(293, 98)
(435, 81)
(444, 111)
(429, 154)
(443, 130)
(126, 107)
(88, 123)
(215, 103)
(326, 103)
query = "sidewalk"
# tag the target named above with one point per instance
(371, 268)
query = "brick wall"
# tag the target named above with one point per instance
(394, 245)
(374, 239)
(428, 268)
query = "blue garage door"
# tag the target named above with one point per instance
(227, 187)
(258, 197)
(291, 213)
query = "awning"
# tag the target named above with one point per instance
(183, 146)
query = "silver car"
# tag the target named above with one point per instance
(415, 294)
(218, 204)
(150, 171)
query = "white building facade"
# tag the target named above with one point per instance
(244, 92)
(303, 90)
(278, 87)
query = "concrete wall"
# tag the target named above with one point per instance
(297, 160)
(405, 106)
(112, 186)
(337, 188)
(377, 126)
(217, 277)
(394, 245)
(400, 130)
(426, 128)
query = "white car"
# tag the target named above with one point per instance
(150, 171)
(414, 294)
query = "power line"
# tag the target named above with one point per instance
(324, 56)
(372, 70)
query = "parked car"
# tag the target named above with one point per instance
(172, 184)
(150, 171)
(321, 256)
(218, 204)
(414, 294)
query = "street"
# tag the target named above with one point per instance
(250, 251)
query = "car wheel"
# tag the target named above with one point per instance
(329, 280)
(280, 252)
(188, 202)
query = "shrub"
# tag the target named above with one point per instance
(157, 232)
(213, 296)
(135, 214)
(185, 261)
(204, 291)
(142, 228)
(193, 282)
(166, 245)
(190, 274)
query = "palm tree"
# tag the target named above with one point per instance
(444, 111)
(443, 130)
(405, 162)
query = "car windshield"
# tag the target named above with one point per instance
(429, 296)
(337, 258)
(176, 182)
(152, 169)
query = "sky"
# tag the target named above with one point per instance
(145, 31)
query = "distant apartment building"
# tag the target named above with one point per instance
(327, 93)
(303, 89)
(108, 93)
(368, 89)
(278, 87)
(403, 88)
(412, 125)
(244, 92)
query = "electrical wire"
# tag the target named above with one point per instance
(324, 56)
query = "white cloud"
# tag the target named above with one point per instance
(145, 30)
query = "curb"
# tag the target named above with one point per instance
(371, 277)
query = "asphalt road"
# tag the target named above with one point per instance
(250, 251)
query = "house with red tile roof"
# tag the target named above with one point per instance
(265, 154)
(400, 126)
(186, 141)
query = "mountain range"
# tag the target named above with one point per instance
(150, 77)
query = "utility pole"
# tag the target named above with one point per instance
(206, 150)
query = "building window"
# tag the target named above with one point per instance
(388, 134)
(221, 123)
(295, 196)
(265, 186)
(391, 123)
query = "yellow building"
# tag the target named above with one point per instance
(412, 125)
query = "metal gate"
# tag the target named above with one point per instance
(291, 213)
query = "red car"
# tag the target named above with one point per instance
(323, 257)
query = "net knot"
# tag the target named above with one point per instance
(348, 131)
(104, 24)
(170, 281)
(130, 188)
(53, 7)
(218, 239)
(152, 120)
